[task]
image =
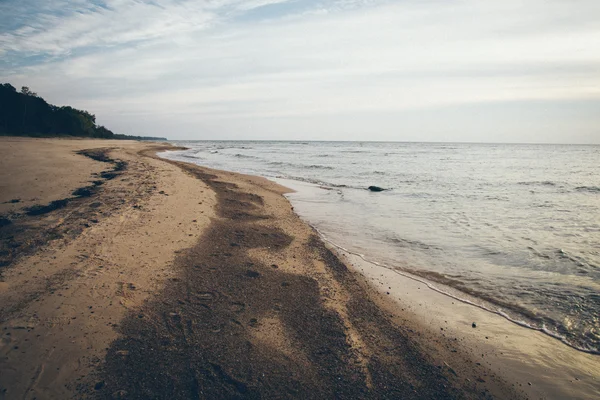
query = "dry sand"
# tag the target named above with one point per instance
(90, 263)
(174, 281)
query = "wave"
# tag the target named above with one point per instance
(367, 173)
(578, 261)
(194, 156)
(546, 204)
(497, 198)
(281, 163)
(246, 156)
(537, 183)
(589, 189)
(411, 243)
(301, 166)
(316, 166)
(452, 282)
(538, 253)
(320, 183)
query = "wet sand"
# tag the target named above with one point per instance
(539, 365)
(175, 281)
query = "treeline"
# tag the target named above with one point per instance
(24, 113)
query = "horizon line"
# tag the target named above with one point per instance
(381, 141)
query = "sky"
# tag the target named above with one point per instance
(430, 70)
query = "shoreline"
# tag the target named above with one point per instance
(528, 351)
(332, 278)
(502, 241)
(439, 288)
(554, 369)
(231, 294)
(539, 364)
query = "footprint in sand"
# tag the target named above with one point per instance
(252, 274)
(205, 297)
(126, 292)
(57, 321)
(238, 307)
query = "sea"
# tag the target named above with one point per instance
(511, 228)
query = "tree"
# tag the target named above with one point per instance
(8, 87)
(102, 132)
(25, 90)
(24, 113)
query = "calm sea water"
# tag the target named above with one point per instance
(514, 228)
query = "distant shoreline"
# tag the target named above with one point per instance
(115, 137)
(386, 141)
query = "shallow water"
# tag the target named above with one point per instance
(513, 228)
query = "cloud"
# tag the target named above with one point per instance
(54, 31)
(173, 61)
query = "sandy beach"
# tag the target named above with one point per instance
(166, 280)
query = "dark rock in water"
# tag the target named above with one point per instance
(4, 222)
(376, 189)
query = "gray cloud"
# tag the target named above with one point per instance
(194, 69)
